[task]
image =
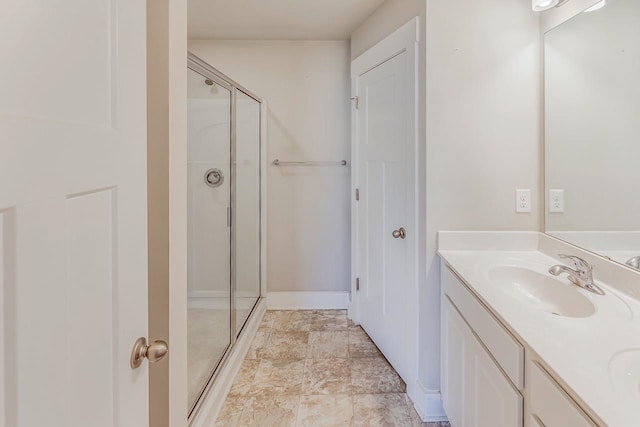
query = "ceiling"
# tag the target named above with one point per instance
(277, 19)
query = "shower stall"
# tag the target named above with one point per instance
(224, 216)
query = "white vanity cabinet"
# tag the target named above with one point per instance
(548, 405)
(483, 370)
(475, 391)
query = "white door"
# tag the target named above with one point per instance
(73, 248)
(384, 175)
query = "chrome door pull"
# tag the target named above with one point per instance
(400, 233)
(154, 351)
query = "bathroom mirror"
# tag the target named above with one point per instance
(592, 130)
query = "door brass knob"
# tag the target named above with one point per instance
(154, 351)
(400, 233)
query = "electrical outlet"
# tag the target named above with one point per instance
(523, 201)
(556, 201)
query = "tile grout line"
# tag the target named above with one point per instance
(297, 420)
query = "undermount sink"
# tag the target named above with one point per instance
(542, 292)
(624, 372)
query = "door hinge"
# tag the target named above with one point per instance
(357, 283)
(357, 99)
(357, 194)
(228, 217)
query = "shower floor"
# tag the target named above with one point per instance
(208, 336)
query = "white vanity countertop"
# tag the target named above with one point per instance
(578, 351)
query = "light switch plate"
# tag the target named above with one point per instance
(523, 201)
(556, 201)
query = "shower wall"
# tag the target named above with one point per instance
(307, 87)
(208, 147)
(209, 325)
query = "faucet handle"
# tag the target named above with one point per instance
(580, 263)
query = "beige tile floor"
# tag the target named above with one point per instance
(315, 368)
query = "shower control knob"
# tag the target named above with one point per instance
(400, 233)
(214, 177)
(155, 351)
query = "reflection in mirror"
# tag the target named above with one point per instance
(592, 130)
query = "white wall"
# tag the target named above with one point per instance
(481, 98)
(555, 16)
(306, 87)
(389, 16)
(209, 144)
(483, 132)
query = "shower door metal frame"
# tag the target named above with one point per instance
(236, 88)
(203, 68)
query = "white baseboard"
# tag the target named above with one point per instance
(307, 300)
(428, 404)
(214, 397)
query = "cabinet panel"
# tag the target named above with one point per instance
(549, 404)
(475, 392)
(493, 401)
(453, 368)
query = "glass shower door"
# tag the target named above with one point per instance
(246, 206)
(209, 232)
(224, 219)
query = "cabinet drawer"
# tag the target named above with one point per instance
(504, 348)
(550, 406)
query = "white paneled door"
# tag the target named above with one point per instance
(384, 174)
(73, 257)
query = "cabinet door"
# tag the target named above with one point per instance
(454, 348)
(491, 399)
(475, 393)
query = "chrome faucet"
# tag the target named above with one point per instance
(581, 276)
(634, 262)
